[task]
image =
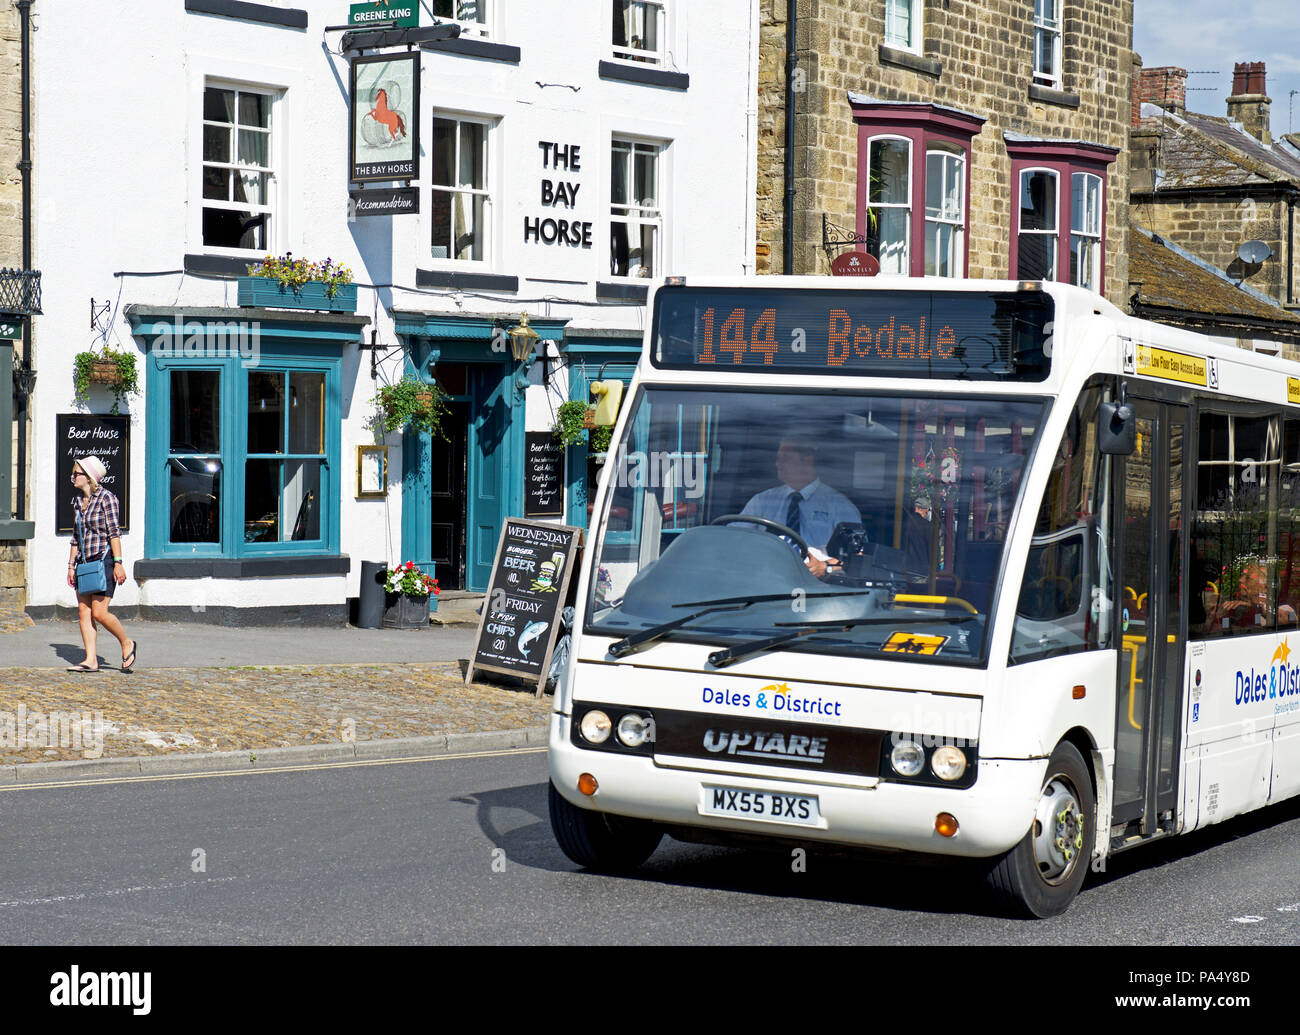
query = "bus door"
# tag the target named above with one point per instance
(1152, 577)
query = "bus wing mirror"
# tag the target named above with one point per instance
(1116, 429)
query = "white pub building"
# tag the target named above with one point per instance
(549, 160)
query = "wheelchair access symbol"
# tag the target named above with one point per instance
(1130, 356)
(1212, 372)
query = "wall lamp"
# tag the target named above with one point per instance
(524, 344)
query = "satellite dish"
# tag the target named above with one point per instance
(1254, 252)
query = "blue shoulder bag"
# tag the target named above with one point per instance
(90, 576)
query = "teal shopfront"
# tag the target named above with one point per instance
(458, 487)
(593, 356)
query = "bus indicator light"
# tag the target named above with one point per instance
(945, 824)
(1079, 693)
(587, 784)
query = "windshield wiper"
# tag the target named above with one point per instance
(639, 640)
(798, 630)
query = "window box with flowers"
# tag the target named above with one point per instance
(410, 596)
(283, 282)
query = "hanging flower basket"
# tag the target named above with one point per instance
(103, 372)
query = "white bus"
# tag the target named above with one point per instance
(1038, 604)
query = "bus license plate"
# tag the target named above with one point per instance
(769, 806)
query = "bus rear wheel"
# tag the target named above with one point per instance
(598, 841)
(1040, 876)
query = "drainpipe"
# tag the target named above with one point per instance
(1290, 248)
(791, 60)
(25, 167)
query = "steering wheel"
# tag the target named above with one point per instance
(775, 527)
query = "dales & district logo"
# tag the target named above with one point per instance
(1280, 679)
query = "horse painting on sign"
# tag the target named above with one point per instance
(392, 119)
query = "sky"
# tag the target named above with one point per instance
(1210, 36)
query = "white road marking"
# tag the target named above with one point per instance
(82, 896)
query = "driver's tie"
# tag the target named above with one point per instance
(792, 512)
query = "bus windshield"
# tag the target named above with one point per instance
(841, 522)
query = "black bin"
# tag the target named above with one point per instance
(370, 604)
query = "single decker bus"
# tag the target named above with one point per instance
(985, 569)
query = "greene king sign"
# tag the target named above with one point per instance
(380, 13)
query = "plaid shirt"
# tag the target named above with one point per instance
(99, 524)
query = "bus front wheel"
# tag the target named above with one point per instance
(1040, 876)
(597, 841)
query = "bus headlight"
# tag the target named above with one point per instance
(634, 730)
(948, 762)
(595, 726)
(907, 758)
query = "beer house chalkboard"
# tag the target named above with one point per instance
(527, 592)
(543, 475)
(91, 434)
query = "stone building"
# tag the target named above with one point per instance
(980, 140)
(1210, 184)
(19, 299)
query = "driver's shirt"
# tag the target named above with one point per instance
(820, 510)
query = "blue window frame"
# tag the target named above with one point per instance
(243, 456)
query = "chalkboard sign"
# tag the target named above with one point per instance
(91, 434)
(527, 592)
(543, 475)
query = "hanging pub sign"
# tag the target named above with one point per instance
(855, 264)
(91, 434)
(385, 112)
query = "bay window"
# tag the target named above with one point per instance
(913, 182)
(1058, 210)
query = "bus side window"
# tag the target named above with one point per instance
(1241, 536)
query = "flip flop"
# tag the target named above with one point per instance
(82, 668)
(128, 662)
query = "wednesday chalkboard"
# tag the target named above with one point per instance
(543, 475)
(91, 434)
(527, 592)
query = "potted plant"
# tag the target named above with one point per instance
(114, 368)
(598, 440)
(289, 283)
(571, 422)
(409, 597)
(414, 404)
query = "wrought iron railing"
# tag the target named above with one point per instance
(20, 292)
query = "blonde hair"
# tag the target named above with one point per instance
(94, 485)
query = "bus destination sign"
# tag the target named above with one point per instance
(957, 334)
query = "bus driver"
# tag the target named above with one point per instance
(803, 502)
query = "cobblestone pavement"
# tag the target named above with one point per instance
(161, 711)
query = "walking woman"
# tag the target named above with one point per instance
(98, 538)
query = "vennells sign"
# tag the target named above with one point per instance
(380, 13)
